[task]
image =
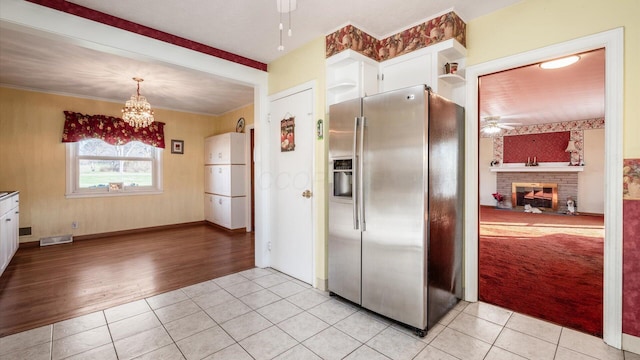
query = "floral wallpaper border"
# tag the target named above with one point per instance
(631, 179)
(576, 127)
(444, 27)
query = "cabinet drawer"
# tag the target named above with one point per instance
(227, 180)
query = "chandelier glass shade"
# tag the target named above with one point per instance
(137, 111)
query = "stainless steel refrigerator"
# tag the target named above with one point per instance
(396, 204)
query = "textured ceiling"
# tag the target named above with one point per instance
(532, 95)
(250, 27)
(53, 65)
(46, 62)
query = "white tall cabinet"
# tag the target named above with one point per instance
(9, 225)
(224, 180)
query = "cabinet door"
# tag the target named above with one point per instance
(221, 180)
(217, 149)
(401, 74)
(222, 211)
(16, 230)
(208, 207)
(227, 180)
(5, 241)
(217, 179)
(225, 149)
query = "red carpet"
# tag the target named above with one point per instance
(543, 265)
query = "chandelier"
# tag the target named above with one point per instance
(287, 7)
(137, 110)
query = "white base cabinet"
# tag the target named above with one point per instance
(225, 211)
(9, 225)
(224, 180)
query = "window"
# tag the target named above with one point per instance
(95, 168)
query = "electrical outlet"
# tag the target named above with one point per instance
(269, 245)
(74, 224)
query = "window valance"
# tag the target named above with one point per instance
(109, 129)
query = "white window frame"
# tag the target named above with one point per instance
(73, 189)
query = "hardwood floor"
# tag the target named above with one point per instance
(49, 284)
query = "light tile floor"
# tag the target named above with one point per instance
(263, 314)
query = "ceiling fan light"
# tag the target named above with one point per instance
(491, 129)
(560, 63)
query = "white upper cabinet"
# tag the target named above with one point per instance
(224, 149)
(351, 75)
(403, 71)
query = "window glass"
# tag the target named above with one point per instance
(95, 167)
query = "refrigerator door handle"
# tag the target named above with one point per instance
(363, 225)
(354, 165)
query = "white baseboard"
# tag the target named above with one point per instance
(322, 284)
(631, 343)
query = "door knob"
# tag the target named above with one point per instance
(307, 194)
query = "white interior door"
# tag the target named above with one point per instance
(292, 183)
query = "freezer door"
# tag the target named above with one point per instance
(393, 244)
(344, 243)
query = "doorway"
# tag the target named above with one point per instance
(529, 117)
(613, 42)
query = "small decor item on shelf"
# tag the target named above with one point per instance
(450, 68)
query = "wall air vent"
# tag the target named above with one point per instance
(54, 240)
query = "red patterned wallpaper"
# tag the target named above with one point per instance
(548, 147)
(447, 26)
(631, 268)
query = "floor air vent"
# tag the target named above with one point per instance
(54, 240)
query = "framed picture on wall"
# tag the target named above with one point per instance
(177, 146)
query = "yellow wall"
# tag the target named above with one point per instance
(227, 122)
(298, 67)
(33, 162)
(532, 24)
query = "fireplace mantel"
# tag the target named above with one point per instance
(542, 167)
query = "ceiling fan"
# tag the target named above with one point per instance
(491, 125)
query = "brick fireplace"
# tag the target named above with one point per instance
(567, 185)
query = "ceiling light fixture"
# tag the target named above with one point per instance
(559, 63)
(137, 110)
(285, 7)
(491, 128)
